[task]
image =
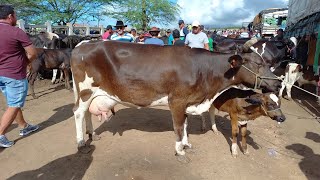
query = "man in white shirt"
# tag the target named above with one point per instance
(197, 39)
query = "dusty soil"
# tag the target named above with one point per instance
(139, 144)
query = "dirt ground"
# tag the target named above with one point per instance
(139, 144)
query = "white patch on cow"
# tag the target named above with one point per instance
(274, 98)
(54, 76)
(256, 50)
(185, 141)
(160, 102)
(82, 42)
(242, 122)
(87, 83)
(205, 105)
(272, 69)
(263, 48)
(179, 148)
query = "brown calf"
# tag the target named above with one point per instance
(242, 106)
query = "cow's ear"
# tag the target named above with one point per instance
(254, 100)
(235, 61)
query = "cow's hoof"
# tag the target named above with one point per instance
(183, 159)
(94, 137)
(187, 146)
(84, 149)
(35, 97)
(235, 155)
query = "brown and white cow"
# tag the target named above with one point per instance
(243, 106)
(296, 73)
(136, 75)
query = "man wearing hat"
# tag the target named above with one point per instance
(197, 39)
(108, 33)
(120, 34)
(183, 30)
(154, 40)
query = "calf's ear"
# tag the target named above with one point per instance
(235, 61)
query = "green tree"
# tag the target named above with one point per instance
(141, 13)
(57, 11)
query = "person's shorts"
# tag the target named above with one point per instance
(14, 90)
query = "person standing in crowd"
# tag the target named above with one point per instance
(279, 36)
(154, 40)
(16, 51)
(197, 39)
(108, 33)
(140, 38)
(209, 34)
(167, 38)
(244, 33)
(133, 32)
(176, 38)
(183, 30)
(120, 34)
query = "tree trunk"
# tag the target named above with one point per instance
(144, 15)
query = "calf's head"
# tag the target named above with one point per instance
(251, 70)
(270, 105)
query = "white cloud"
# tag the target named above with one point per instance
(224, 12)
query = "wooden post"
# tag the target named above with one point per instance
(20, 24)
(87, 30)
(101, 30)
(70, 30)
(49, 27)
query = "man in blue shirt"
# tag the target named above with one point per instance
(120, 34)
(154, 40)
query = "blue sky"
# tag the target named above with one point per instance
(217, 12)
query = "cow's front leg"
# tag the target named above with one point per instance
(235, 130)
(243, 129)
(185, 141)
(288, 88)
(32, 79)
(178, 118)
(283, 85)
(89, 128)
(54, 76)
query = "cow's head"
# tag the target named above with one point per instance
(270, 105)
(248, 67)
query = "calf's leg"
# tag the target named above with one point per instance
(235, 130)
(212, 115)
(243, 129)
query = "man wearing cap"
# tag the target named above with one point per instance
(197, 39)
(154, 40)
(183, 30)
(108, 33)
(120, 34)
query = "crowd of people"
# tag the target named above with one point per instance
(195, 37)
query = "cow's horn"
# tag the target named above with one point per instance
(249, 43)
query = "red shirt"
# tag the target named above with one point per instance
(13, 58)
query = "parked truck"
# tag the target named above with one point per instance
(268, 21)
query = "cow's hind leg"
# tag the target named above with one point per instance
(33, 77)
(67, 76)
(89, 128)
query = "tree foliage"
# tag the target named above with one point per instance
(142, 13)
(57, 11)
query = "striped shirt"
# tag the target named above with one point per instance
(127, 37)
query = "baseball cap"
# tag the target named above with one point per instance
(181, 22)
(109, 27)
(168, 30)
(195, 24)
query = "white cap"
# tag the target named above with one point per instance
(195, 24)
(294, 40)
